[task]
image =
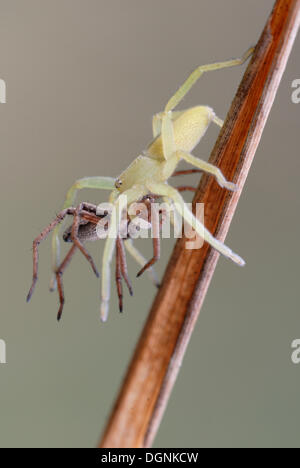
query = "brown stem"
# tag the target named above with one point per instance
(152, 373)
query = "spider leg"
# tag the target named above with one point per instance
(207, 115)
(75, 239)
(183, 188)
(59, 273)
(119, 277)
(123, 264)
(155, 222)
(139, 258)
(154, 259)
(186, 188)
(180, 206)
(209, 168)
(60, 217)
(186, 172)
(167, 134)
(121, 271)
(197, 73)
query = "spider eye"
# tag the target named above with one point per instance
(118, 183)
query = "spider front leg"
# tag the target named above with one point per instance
(179, 204)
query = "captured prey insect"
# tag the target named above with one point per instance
(84, 228)
(175, 135)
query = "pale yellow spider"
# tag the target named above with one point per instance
(175, 135)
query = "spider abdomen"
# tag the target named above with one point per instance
(189, 127)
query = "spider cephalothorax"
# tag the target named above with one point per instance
(175, 135)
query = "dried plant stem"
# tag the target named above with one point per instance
(152, 373)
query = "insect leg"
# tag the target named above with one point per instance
(59, 273)
(77, 242)
(140, 259)
(119, 278)
(123, 264)
(60, 217)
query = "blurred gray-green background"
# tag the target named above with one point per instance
(83, 80)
